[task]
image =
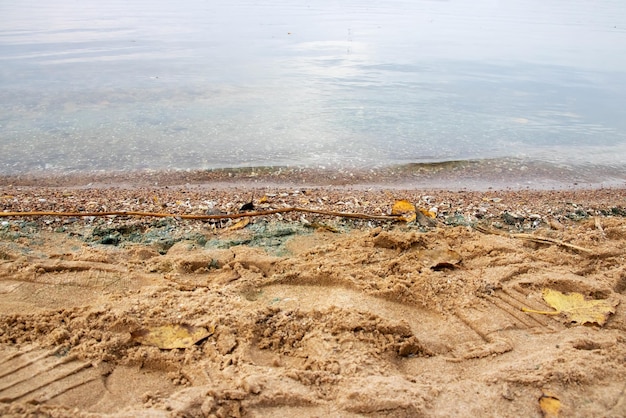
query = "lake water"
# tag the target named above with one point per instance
(126, 85)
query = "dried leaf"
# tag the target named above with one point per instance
(424, 220)
(401, 207)
(405, 209)
(246, 207)
(550, 405)
(576, 308)
(428, 213)
(239, 225)
(263, 199)
(322, 227)
(409, 217)
(171, 336)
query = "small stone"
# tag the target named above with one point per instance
(512, 218)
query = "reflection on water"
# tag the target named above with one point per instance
(207, 84)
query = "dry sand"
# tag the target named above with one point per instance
(309, 315)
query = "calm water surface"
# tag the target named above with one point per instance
(117, 85)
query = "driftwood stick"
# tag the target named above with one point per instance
(544, 240)
(204, 217)
(534, 238)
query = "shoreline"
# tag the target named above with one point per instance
(473, 175)
(207, 198)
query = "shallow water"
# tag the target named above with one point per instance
(207, 84)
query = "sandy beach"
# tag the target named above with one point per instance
(305, 313)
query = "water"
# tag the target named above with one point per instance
(193, 84)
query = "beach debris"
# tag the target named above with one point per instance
(599, 227)
(240, 224)
(321, 227)
(247, 207)
(168, 337)
(550, 405)
(207, 216)
(544, 240)
(513, 218)
(556, 225)
(533, 238)
(405, 209)
(579, 215)
(407, 212)
(614, 211)
(426, 218)
(432, 213)
(576, 307)
(457, 220)
(213, 211)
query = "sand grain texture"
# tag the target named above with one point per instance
(310, 316)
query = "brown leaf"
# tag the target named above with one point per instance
(550, 405)
(247, 207)
(405, 209)
(170, 336)
(239, 225)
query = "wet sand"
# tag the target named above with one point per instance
(308, 314)
(487, 174)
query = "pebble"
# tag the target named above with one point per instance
(522, 208)
(512, 218)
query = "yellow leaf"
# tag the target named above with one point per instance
(239, 225)
(401, 207)
(576, 308)
(170, 336)
(428, 213)
(405, 209)
(409, 217)
(550, 405)
(264, 199)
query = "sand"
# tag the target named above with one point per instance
(309, 315)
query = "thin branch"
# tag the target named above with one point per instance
(534, 238)
(544, 240)
(524, 309)
(203, 217)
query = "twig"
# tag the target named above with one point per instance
(599, 227)
(204, 217)
(534, 238)
(524, 309)
(543, 240)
